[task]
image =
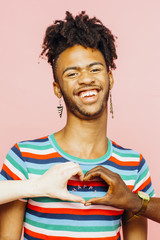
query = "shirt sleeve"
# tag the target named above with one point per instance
(143, 179)
(14, 167)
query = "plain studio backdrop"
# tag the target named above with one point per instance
(28, 107)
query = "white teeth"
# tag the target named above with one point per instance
(88, 93)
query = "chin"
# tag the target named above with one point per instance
(88, 115)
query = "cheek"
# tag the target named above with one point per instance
(69, 86)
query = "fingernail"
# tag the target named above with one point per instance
(87, 204)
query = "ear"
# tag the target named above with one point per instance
(111, 80)
(57, 90)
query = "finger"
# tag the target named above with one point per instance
(76, 170)
(100, 169)
(80, 174)
(95, 201)
(106, 177)
(74, 198)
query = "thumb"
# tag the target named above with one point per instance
(95, 201)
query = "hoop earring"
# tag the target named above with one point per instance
(60, 108)
(111, 104)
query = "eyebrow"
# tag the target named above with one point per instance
(77, 68)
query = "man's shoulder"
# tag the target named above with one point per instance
(35, 140)
(37, 143)
(124, 151)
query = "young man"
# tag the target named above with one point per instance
(81, 52)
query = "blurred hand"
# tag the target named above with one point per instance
(53, 183)
(118, 194)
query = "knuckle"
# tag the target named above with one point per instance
(117, 177)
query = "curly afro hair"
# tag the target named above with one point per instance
(82, 30)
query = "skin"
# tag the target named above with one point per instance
(84, 134)
(120, 196)
(52, 184)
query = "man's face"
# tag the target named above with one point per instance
(83, 81)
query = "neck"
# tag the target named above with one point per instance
(84, 138)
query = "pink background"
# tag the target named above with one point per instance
(27, 102)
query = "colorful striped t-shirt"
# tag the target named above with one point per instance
(54, 219)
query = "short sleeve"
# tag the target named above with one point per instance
(143, 179)
(14, 167)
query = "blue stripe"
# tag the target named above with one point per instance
(70, 222)
(35, 141)
(44, 161)
(88, 189)
(39, 166)
(5, 176)
(46, 143)
(74, 217)
(119, 147)
(126, 151)
(129, 168)
(27, 237)
(17, 157)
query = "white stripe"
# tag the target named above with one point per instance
(33, 176)
(125, 159)
(141, 182)
(14, 170)
(71, 205)
(36, 151)
(129, 182)
(71, 234)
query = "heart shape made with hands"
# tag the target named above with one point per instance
(96, 175)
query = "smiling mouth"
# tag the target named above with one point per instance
(88, 93)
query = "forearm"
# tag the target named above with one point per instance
(12, 190)
(52, 183)
(153, 208)
(135, 229)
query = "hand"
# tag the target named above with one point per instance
(118, 194)
(54, 182)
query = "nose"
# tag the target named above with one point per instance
(85, 78)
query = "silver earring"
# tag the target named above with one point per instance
(111, 104)
(60, 108)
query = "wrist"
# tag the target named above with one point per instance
(135, 203)
(35, 188)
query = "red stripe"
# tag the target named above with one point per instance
(126, 163)
(75, 211)
(130, 187)
(144, 184)
(10, 173)
(42, 236)
(38, 156)
(87, 183)
(46, 137)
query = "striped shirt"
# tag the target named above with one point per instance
(54, 219)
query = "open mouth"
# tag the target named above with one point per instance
(88, 93)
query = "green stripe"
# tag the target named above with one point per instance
(143, 175)
(36, 147)
(36, 171)
(17, 166)
(82, 160)
(152, 193)
(126, 177)
(48, 200)
(131, 155)
(72, 228)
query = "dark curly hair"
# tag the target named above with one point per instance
(82, 30)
